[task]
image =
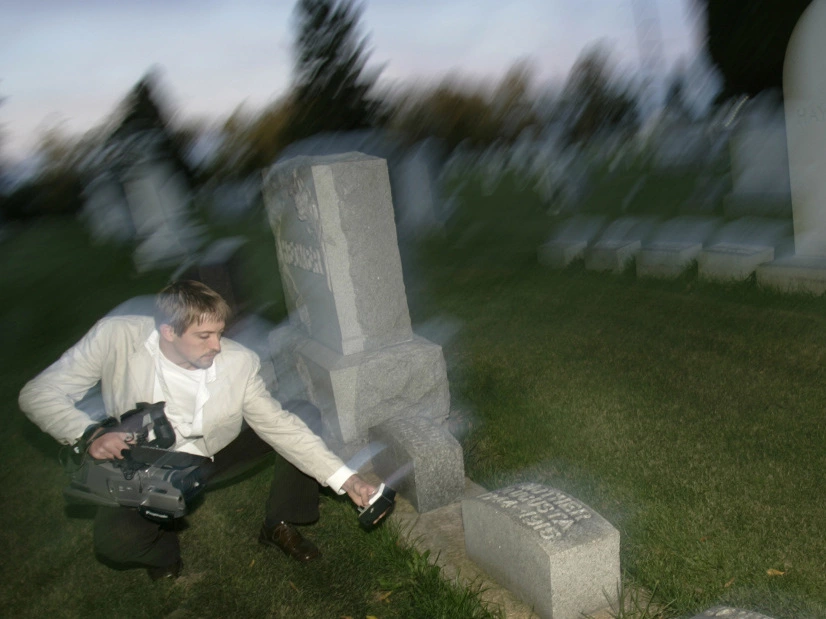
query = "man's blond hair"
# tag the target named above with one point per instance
(184, 303)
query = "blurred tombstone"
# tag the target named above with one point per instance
(569, 240)
(760, 162)
(419, 209)
(232, 200)
(105, 210)
(738, 248)
(159, 201)
(679, 144)
(139, 195)
(619, 244)
(804, 95)
(674, 246)
(353, 345)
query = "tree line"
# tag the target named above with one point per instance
(334, 89)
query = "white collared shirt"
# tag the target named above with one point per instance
(185, 393)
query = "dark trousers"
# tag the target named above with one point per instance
(122, 536)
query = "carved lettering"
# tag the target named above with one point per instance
(547, 511)
(301, 256)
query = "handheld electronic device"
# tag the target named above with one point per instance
(380, 506)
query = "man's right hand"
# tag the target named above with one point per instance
(109, 446)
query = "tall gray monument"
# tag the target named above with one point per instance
(804, 93)
(350, 337)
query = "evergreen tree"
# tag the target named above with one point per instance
(592, 101)
(143, 112)
(331, 84)
(747, 40)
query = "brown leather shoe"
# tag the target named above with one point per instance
(166, 572)
(286, 537)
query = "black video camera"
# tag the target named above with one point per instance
(156, 481)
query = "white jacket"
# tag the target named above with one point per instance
(113, 352)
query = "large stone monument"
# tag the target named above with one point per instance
(804, 93)
(551, 550)
(351, 340)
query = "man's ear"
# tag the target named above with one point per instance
(167, 332)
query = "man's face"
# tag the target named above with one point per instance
(196, 348)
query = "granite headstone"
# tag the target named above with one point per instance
(551, 550)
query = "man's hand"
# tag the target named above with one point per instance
(358, 490)
(108, 446)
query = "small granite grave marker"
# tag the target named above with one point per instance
(551, 550)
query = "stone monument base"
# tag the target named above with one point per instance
(805, 274)
(355, 392)
(420, 460)
(666, 260)
(727, 262)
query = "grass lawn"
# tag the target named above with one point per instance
(688, 415)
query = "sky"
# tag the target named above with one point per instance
(68, 63)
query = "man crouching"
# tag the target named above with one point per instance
(211, 386)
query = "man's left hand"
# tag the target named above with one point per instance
(358, 490)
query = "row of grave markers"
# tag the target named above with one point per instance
(781, 260)
(730, 251)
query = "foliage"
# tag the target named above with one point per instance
(457, 112)
(592, 101)
(143, 110)
(56, 192)
(331, 86)
(251, 143)
(747, 40)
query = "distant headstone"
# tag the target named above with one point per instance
(551, 550)
(666, 259)
(724, 262)
(619, 244)
(804, 96)
(105, 210)
(680, 145)
(612, 254)
(569, 240)
(420, 460)
(736, 250)
(727, 612)
(418, 199)
(159, 201)
(674, 246)
(760, 162)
